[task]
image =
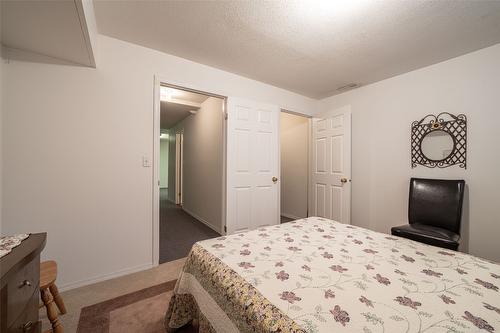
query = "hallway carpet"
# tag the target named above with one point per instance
(285, 219)
(179, 230)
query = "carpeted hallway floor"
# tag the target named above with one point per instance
(285, 219)
(178, 230)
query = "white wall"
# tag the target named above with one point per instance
(164, 156)
(202, 163)
(381, 118)
(95, 202)
(294, 141)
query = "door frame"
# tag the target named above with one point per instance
(179, 164)
(309, 155)
(159, 81)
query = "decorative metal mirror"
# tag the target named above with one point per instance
(439, 141)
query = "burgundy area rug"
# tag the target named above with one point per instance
(141, 311)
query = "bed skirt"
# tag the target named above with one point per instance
(210, 292)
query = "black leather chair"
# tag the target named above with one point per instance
(434, 212)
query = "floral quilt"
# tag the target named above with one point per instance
(317, 275)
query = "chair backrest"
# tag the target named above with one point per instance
(436, 202)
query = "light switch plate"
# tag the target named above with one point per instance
(146, 162)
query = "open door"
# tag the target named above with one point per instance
(252, 165)
(330, 192)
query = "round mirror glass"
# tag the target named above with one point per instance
(437, 145)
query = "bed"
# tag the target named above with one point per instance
(317, 275)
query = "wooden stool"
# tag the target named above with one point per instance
(50, 294)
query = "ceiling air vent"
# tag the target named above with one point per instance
(349, 87)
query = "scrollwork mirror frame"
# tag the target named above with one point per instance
(455, 126)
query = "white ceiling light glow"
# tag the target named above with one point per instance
(166, 94)
(325, 9)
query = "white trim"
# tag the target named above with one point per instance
(224, 168)
(297, 113)
(104, 277)
(349, 219)
(208, 89)
(309, 165)
(208, 224)
(179, 165)
(278, 140)
(290, 216)
(85, 31)
(155, 254)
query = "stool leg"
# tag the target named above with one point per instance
(51, 311)
(57, 298)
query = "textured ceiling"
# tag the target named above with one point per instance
(309, 47)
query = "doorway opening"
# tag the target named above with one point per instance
(294, 165)
(191, 169)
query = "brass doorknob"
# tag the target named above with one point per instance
(274, 179)
(343, 180)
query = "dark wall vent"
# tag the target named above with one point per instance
(349, 87)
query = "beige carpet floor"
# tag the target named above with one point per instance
(78, 298)
(141, 311)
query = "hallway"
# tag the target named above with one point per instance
(178, 230)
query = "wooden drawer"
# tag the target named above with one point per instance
(22, 288)
(18, 301)
(27, 322)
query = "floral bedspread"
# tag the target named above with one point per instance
(323, 276)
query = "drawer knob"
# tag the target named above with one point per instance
(25, 283)
(28, 326)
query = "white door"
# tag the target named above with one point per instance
(330, 192)
(252, 165)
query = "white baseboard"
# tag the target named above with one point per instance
(290, 216)
(85, 282)
(202, 220)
